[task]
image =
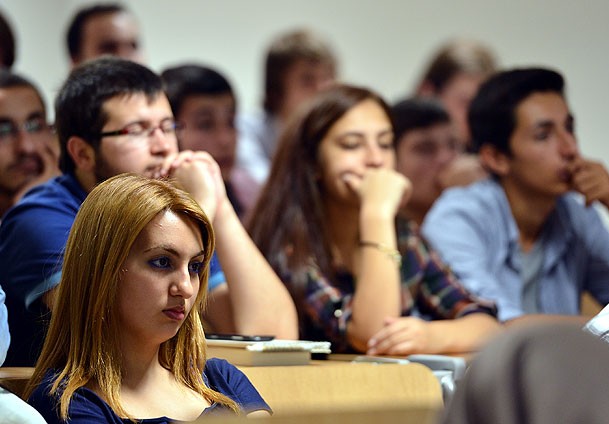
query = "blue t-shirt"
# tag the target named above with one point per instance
(33, 235)
(87, 407)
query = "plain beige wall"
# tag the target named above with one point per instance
(381, 43)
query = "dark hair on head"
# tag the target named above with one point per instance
(289, 213)
(193, 80)
(79, 103)
(286, 50)
(458, 56)
(10, 79)
(492, 113)
(416, 113)
(77, 24)
(7, 44)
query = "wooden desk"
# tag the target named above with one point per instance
(393, 415)
(333, 386)
(326, 391)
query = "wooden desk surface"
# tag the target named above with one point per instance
(327, 386)
(327, 391)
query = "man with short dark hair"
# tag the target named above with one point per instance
(103, 29)
(112, 117)
(28, 149)
(28, 156)
(204, 103)
(426, 149)
(522, 238)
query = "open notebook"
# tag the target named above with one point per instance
(273, 352)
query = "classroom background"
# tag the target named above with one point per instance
(382, 44)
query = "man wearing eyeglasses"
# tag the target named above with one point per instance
(28, 156)
(112, 117)
(28, 149)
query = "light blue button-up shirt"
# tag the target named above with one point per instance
(258, 134)
(475, 233)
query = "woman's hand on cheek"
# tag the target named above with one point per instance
(384, 190)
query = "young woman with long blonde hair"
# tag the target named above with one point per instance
(126, 341)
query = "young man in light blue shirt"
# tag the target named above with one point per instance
(526, 238)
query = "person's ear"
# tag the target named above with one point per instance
(82, 153)
(494, 160)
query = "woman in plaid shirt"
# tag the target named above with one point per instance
(326, 221)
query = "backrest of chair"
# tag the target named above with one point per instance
(15, 379)
(345, 387)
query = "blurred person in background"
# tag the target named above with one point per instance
(426, 148)
(298, 64)
(453, 75)
(103, 29)
(29, 151)
(205, 105)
